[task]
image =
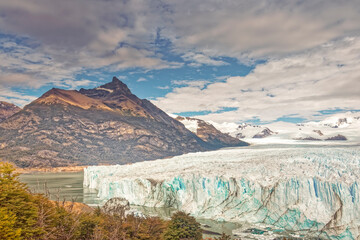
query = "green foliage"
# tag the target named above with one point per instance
(182, 227)
(7, 225)
(224, 237)
(33, 216)
(18, 202)
(87, 226)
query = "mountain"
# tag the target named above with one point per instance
(244, 130)
(104, 125)
(209, 133)
(7, 110)
(339, 128)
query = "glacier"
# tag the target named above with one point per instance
(313, 191)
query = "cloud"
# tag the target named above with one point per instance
(121, 34)
(196, 83)
(198, 59)
(325, 77)
(54, 42)
(260, 29)
(23, 66)
(75, 84)
(142, 80)
(163, 87)
(19, 99)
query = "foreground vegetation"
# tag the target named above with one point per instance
(24, 215)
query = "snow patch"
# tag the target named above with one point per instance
(105, 89)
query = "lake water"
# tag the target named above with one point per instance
(69, 187)
(61, 186)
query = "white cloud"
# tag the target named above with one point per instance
(121, 34)
(196, 83)
(249, 29)
(325, 77)
(142, 80)
(53, 41)
(19, 99)
(75, 84)
(198, 59)
(163, 87)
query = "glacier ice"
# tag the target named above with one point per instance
(310, 190)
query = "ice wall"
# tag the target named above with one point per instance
(311, 190)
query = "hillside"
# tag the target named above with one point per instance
(104, 125)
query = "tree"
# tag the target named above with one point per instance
(7, 223)
(182, 227)
(24, 215)
(19, 204)
(224, 237)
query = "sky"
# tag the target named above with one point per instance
(227, 61)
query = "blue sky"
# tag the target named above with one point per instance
(225, 61)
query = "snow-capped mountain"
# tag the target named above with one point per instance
(344, 127)
(208, 133)
(340, 128)
(244, 130)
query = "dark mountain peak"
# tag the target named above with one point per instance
(115, 80)
(117, 86)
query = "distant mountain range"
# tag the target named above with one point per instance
(341, 127)
(104, 125)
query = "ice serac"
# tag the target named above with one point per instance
(313, 191)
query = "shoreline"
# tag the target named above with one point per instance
(50, 170)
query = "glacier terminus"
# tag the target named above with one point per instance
(311, 191)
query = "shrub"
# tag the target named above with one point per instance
(224, 237)
(182, 227)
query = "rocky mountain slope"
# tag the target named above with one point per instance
(104, 125)
(7, 110)
(209, 133)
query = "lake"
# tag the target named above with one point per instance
(69, 186)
